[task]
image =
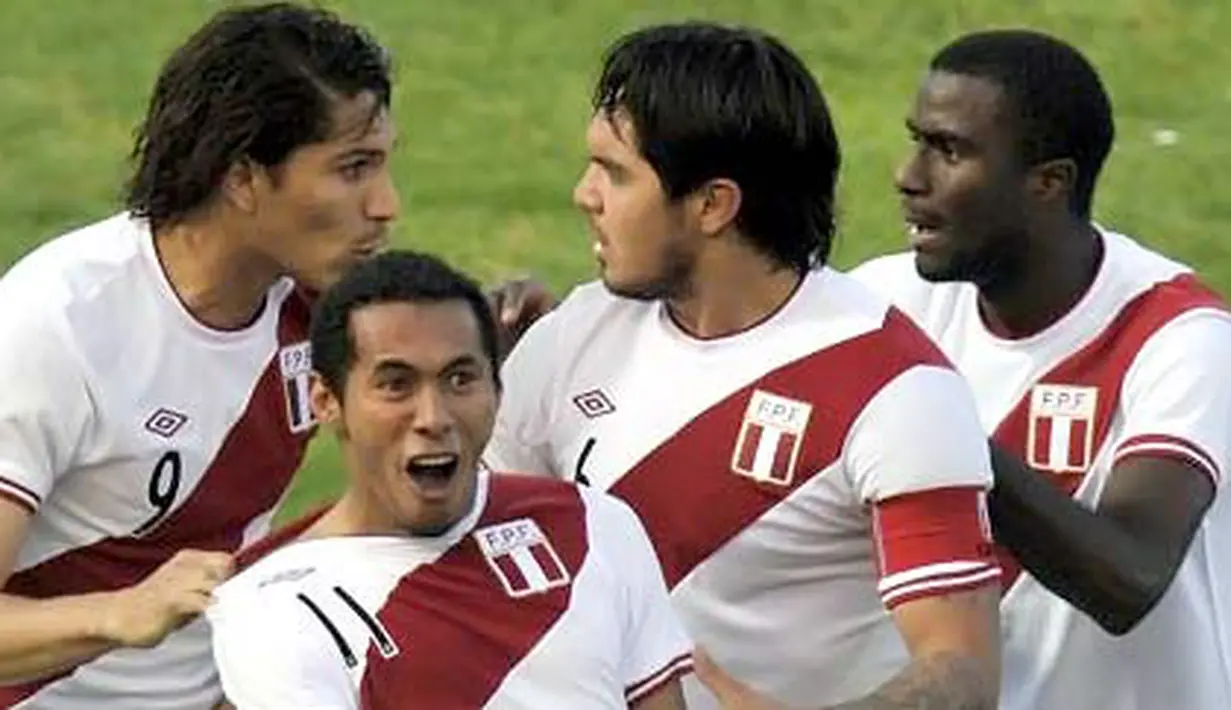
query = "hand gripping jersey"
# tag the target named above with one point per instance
(1138, 368)
(796, 478)
(130, 431)
(544, 596)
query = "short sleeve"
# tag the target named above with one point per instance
(272, 654)
(45, 408)
(1176, 396)
(519, 441)
(657, 650)
(918, 456)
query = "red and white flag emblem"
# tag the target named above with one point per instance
(1060, 436)
(295, 363)
(768, 444)
(522, 557)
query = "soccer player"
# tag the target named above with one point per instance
(431, 583)
(810, 468)
(154, 365)
(1100, 369)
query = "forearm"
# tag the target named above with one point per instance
(1089, 560)
(948, 681)
(39, 638)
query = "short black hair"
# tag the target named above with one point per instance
(253, 83)
(710, 101)
(1061, 105)
(397, 276)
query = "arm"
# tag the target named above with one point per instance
(40, 638)
(954, 642)
(44, 637)
(1116, 561)
(667, 697)
(926, 484)
(43, 414)
(954, 645)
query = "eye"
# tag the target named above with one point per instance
(460, 380)
(354, 171)
(393, 384)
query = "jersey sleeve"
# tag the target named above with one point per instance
(519, 441)
(271, 655)
(918, 457)
(1176, 396)
(657, 650)
(45, 408)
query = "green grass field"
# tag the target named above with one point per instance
(492, 100)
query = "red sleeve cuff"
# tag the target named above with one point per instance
(933, 543)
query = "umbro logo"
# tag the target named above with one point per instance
(593, 403)
(165, 422)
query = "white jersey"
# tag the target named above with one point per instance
(130, 431)
(1138, 368)
(545, 595)
(795, 478)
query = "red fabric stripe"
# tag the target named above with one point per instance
(1103, 363)
(781, 469)
(456, 605)
(752, 440)
(686, 472)
(931, 527)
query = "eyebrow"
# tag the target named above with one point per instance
(399, 366)
(937, 134)
(606, 163)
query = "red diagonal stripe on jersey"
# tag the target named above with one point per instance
(685, 492)
(247, 477)
(253, 467)
(1103, 363)
(457, 606)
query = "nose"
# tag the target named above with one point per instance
(433, 418)
(910, 178)
(383, 204)
(585, 193)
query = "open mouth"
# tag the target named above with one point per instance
(431, 472)
(922, 231)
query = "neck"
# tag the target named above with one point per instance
(358, 512)
(221, 284)
(733, 288)
(1059, 268)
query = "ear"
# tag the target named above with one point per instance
(325, 405)
(717, 205)
(1054, 180)
(242, 183)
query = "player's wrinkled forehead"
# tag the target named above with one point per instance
(402, 312)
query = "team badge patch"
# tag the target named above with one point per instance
(295, 363)
(767, 448)
(522, 557)
(1060, 436)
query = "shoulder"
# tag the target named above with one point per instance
(71, 286)
(587, 310)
